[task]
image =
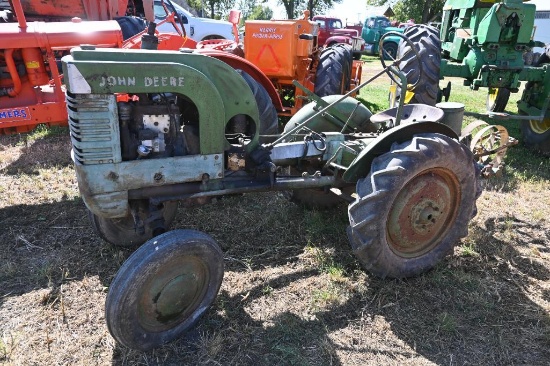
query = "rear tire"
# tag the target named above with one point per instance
(414, 206)
(333, 71)
(163, 289)
(269, 121)
(121, 231)
(428, 45)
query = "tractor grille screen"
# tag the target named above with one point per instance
(93, 122)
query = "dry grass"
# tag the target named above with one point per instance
(293, 294)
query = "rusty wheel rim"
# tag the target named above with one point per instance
(540, 127)
(173, 293)
(423, 212)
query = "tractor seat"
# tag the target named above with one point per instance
(411, 113)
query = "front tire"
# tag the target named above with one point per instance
(163, 289)
(121, 232)
(414, 206)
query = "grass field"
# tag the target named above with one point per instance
(293, 293)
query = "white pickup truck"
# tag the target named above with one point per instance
(198, 29)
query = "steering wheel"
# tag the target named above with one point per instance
(382, 53)
(215, 44)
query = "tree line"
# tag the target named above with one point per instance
(422, 11)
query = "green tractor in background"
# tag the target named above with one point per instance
(484, 42)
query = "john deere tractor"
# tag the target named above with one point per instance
(151, 128)
(484, 42)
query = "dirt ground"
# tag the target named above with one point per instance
(293, 293)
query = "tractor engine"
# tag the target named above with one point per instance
(151, 127)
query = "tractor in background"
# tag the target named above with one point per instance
(31, 84)
(484, 42)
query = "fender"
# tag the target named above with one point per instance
(237, 62)
(360, 166)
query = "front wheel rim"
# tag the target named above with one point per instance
(172, 294)
(423, 212)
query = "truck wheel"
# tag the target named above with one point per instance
(497, 99)
(131, 26)
(269, 121)
(390, 49)
(332, 72)
(428, 45)
(163, 289)
(121, 231)
(414, 206)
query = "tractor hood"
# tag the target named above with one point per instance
(393, 29)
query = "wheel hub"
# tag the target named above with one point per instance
(540, 127)
(173, 294)
(422, 212)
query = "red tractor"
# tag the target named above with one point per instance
(31, 90)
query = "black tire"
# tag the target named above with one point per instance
(330, 77)
(414, 206)
(390, 50)
(121, 231)
(347, 63)
(497, 99)
(163, 289)
(428, 45)
(269, 121)
(131, 26)
(357, 55)
(536, 134)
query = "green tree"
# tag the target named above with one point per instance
(254, 9)
(261, 12)
(422, 11)
(294, 8)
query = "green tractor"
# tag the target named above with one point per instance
(484, 42)
(150, 129)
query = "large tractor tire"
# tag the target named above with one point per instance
(269, 121)
(347, 61)
(131, 26)
(414, 206)
(497, 99)
(121, 232)
(163, 289)
(333, 71)
(428, 45)
(536, 134)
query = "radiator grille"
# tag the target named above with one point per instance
(93, 122)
